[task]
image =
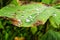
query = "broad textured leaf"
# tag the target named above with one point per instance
(27, 15)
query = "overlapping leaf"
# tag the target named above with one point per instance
(49, 1)
(51, 35)
(55, 19)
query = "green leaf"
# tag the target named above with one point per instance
(6, 36)
(55, 19)
(53, 1)
(49, 1)
(27, 15)
(57, 6)
(33, 30)
(45, 15)
(1, 26)
(51, 35)
(46, 1)
(15, 2)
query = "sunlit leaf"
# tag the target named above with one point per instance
(27, 15)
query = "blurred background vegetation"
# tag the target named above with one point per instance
(6, 2)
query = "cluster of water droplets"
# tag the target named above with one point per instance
(37, 11)
(27, 20)
(32, 16)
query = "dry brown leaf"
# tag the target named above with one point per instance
(19, 38)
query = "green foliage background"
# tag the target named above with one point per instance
(49, 20)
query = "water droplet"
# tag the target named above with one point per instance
(54, 14)
(22, 16)
(30, 16)
(27, 20)
(37, 9)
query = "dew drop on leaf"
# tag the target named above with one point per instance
(22, 16)
(54, 15)
(37, 9)
(30, 16)
(27, 20)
